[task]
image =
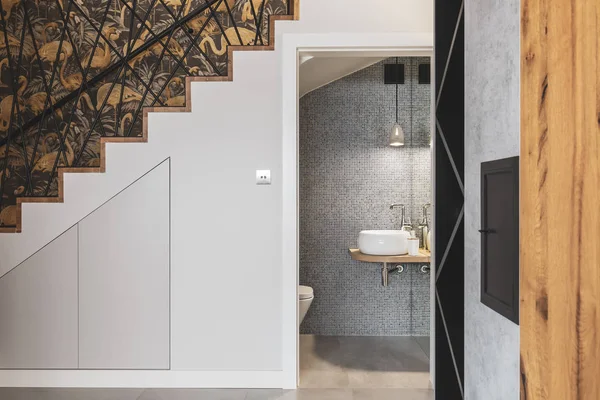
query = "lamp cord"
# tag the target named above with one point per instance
(412, 154)
(396, 95)
(411, 102)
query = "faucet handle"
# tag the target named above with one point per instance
(425, 221)
(396, 205)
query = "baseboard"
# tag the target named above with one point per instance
(142, 379)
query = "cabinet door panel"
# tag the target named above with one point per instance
(38, 309)
(124, 278)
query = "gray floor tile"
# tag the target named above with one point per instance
(215, 394)
(392, 394)
(319, 352)
(266, 394)
(424, 342)
(194, 394)
(381, 379)
(319, 394)
(331, 368)
(382, 354)
(323, 379)
(69, 394)
(362, 362)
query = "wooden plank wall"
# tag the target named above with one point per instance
(560, 200)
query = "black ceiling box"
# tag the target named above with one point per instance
(394, 74)
(424, 74)
(500, 236)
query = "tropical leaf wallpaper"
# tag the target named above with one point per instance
(72, 71)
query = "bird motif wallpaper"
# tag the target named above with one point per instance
(73, 71)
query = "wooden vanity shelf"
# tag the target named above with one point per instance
(425, 257)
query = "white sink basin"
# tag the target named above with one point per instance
(383, 243)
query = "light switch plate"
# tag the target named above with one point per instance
(263, 177)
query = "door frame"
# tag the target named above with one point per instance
(291, 45)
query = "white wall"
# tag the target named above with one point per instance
(491, 132)
(325, 16)
(226, 246)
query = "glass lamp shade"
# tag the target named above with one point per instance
(397, 136)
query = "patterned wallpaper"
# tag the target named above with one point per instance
(72, 71)
(349, 176)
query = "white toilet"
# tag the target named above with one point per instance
(305, 298)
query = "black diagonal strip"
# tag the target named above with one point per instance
(87, 70)
(206, 57)
(48, 106)
(154, 72)
(195, 45)
(439, 94)
(447, 335)
(47, 88)
(82, 88)
(120, 106)
(237, 32)
(182, 23)
(185, 55)
(257, 21)
(15, 102)
(62, 137)
(122, 59)
(214, 15)
(84, 71)
(194, 41)
(16, 98)
(50, 85)
(122, 66)
(176, 24)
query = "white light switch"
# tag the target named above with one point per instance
(263, 177)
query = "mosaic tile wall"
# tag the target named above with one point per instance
(349, 176)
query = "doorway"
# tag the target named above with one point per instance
(294, 47)
(365, 165)
(447, 353)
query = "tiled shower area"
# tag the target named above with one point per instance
(358, 333)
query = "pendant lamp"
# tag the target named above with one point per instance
(397, 135)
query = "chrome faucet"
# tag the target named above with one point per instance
(404, 226)
(425, 221)
(424, 228)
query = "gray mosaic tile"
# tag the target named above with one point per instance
(348, 178)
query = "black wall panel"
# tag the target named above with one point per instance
(449, 211)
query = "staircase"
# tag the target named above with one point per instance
(79, 77)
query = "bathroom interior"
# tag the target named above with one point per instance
(365, 222)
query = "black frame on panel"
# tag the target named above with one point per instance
(508, 308)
